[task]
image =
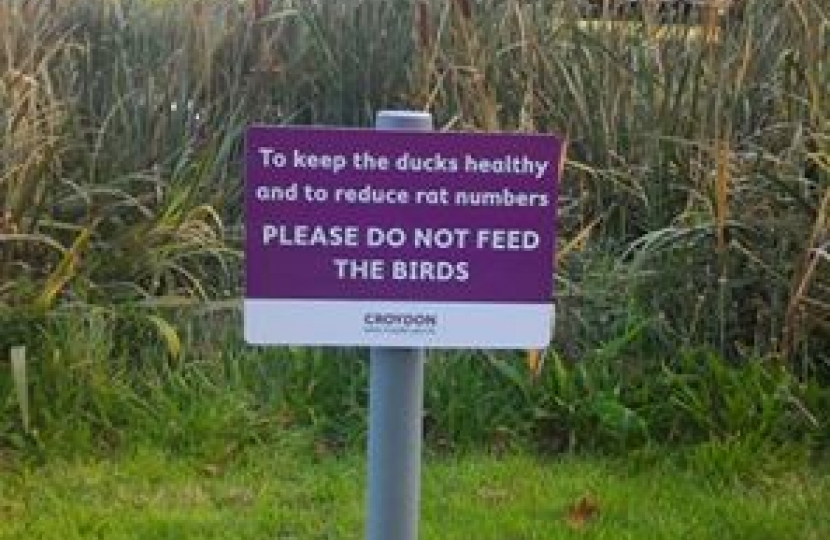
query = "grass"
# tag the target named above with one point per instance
(696, 186)
(99, 382)
(293, 489)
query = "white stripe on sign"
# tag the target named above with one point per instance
(398, 324)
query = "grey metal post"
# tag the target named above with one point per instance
(396, 390)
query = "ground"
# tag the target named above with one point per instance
(296, 490)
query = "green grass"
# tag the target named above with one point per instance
(296, 489)
(99, 383)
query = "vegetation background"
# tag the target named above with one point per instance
(693, 281)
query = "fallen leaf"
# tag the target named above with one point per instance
(583, 511)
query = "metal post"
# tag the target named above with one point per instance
(396, 390)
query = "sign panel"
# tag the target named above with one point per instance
(399, 238)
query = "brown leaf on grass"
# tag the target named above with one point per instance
(583, 511)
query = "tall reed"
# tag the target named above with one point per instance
(695, 194)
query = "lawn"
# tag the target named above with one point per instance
(296, 490)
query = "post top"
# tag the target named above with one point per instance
(404, 120)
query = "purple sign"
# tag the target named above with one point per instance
(396, 218)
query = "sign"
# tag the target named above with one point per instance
(399, 238)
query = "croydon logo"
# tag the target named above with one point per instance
(400, 323)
